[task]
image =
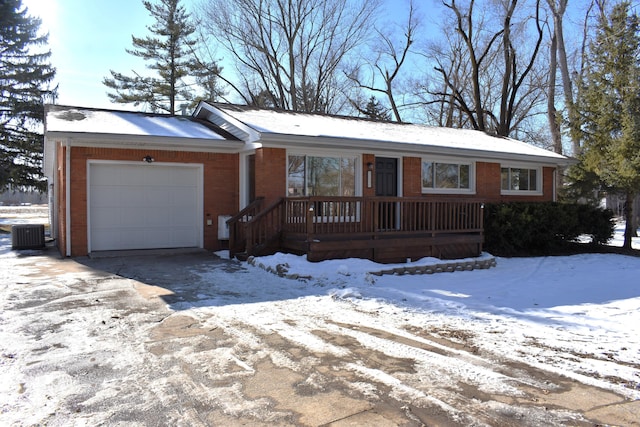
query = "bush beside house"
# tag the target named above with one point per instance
(524, 229)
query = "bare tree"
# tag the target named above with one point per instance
(288, 52)
(498, 86)
(553, 115)
(559, 60)
(444, 95)
(390, 57)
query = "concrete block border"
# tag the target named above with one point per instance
(441, 267)
(483, 263)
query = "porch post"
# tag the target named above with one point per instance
(310, 213)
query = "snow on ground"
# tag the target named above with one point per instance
(586, 307)
(573, 315)
(578, 316)
(24, 214)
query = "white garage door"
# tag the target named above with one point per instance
(144, 206)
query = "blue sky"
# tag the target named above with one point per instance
(89, 37)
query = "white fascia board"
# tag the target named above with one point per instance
(419, 150)
(50, 157)
(226, 122)
(149, 142)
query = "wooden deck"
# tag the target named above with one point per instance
(383, 229)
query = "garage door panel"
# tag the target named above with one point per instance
(182, 177)
(182, 235)
(180, 220)
(145, 206)
(158, 218)
(104, 175)
(147, 197)
(103, 196)
(181, 197)
(139, 218)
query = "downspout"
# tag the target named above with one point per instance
(67, 185)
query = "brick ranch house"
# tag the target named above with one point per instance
(255, 181)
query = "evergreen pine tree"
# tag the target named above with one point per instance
(25, 75)
(169, 51)
(374, 110)
(610, 105)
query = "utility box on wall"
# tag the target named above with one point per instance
(27, 236)
(223, 227)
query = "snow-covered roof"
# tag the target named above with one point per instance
(75, 120)
(283, 126)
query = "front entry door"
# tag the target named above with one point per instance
(386, 186)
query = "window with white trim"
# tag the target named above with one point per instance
(518, 179)
(321, 176)
(447, 177)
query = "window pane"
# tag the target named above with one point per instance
(515, 179)
(323, 176)
(296, 176)
(348, 176)
(427, 175)
(523, 175)
(464, 176)
(504, 179)
(519, 179)
(533, 180)
(446, 175)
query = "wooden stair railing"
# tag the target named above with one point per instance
(321, 220)
(237, 226)
(256, 231)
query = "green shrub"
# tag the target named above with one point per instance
(523, 229)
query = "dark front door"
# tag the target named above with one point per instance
(386, 186)
(386, 177)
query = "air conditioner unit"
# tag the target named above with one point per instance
(27, 236)
(223, 227)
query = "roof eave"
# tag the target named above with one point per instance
(225, 121)
(320, 142)
(167, 143)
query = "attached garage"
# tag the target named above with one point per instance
(144, 205)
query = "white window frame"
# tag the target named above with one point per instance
(539, 180)
(356, 156)
(449, 160)
(357, 178)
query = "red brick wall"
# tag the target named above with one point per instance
(487, 183)
(412, 177)
(220, 186)
(271, 179)
(271, 174)
(366, 159)
(61, 200)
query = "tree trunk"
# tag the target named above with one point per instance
(554, 126)
(634, 218)
(628, 216)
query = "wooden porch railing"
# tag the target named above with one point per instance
(323, 219)
(317, 216)
(237, 226)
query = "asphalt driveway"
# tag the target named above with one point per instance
(192, 339)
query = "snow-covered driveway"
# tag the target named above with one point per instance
(197, 340)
